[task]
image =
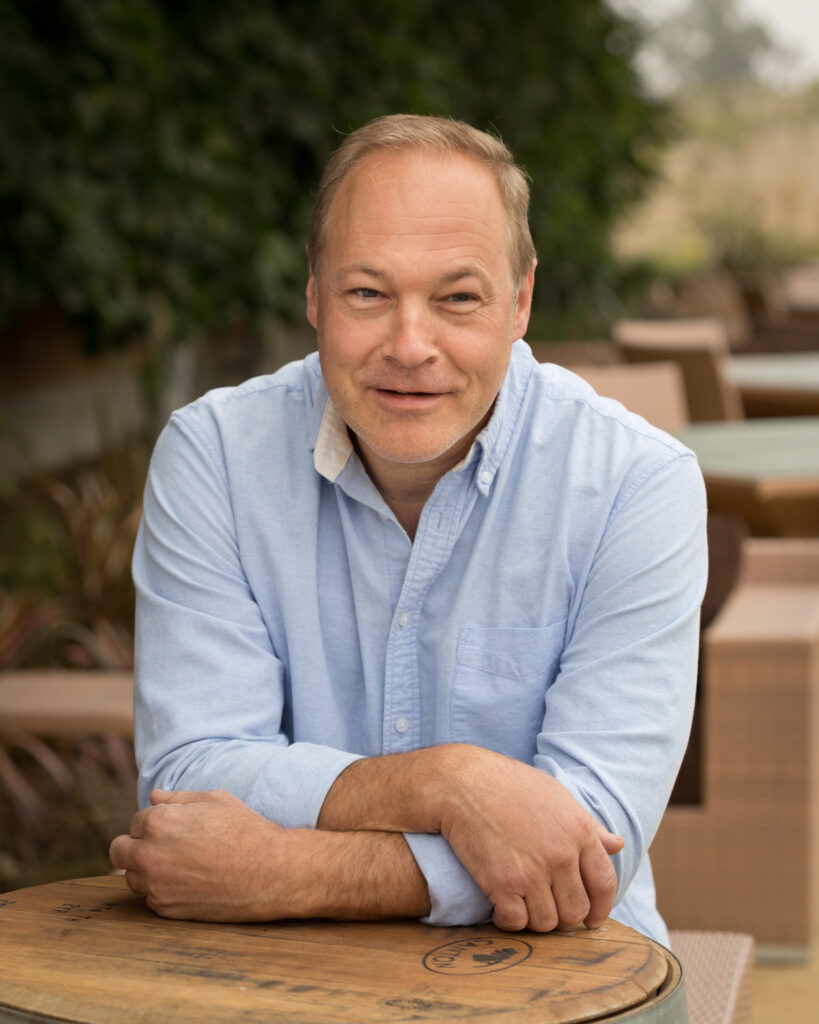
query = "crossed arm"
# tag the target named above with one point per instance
(537, 855)
(534, 851)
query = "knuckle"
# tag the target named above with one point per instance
(145, 860)
(574, 912)
(563, 858)
(543, 925)
(220, 795)
(153, 821)
(603, 882)
(544, 921)
(512, 880)
(510, 919)
(158, 905)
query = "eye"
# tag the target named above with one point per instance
(366, 293)
(461, 302)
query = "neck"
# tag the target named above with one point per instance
(404, 486)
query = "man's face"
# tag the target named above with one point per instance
(415, 305)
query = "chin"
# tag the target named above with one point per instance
(409, 452)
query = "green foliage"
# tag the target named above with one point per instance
(158, 156)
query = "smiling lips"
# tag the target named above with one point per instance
(408, 400)
(397, 389)
(401, 391)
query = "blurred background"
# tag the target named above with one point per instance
(157, 167)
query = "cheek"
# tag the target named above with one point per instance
(487, 363)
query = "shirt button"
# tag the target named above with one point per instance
(404, 621)
(486, 478)
(401, 725)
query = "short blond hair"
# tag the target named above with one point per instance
(437, 135)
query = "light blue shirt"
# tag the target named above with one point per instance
(548, 608)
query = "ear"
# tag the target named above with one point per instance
(523, 306)
(312, 300)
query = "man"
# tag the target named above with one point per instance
(421, 611)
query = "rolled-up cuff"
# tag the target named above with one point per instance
(454, 897)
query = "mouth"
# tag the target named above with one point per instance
(402, 391)
(400, 398)
(398, 389)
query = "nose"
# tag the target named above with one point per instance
(412, 335)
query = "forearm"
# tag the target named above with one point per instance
(394, 793)
(207, 856)
(518, 832)
(359, 876)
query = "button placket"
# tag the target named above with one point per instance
(402, 727)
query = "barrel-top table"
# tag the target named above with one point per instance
(91, 951)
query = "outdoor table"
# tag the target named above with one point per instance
(780, 384)
(765, 470)
(90, 950)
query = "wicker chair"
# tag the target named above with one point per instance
(655, 391)
(745, 856)
(718, 973)
(699, 347)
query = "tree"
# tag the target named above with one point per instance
(158, 156)
(713, 43)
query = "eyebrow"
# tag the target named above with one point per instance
(458, 274)
(360, 268)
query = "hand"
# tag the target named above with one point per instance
(537, 855)
(208, 857)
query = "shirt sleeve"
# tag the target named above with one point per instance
(619, 712)
(454, 897)
(210, 689)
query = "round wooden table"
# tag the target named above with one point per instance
(90, 950)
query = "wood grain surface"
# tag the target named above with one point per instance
(90, 951)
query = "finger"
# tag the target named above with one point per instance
(599, 881)
(121, 852)
(612, 843)
(510, 914)
(571, 900)
(136, 882)
(175, 796)
(138, 823)
(188, 796)
(542, 911)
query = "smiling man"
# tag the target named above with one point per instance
(416, 309)
(418, 616)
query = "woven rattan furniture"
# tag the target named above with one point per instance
(699, 347)
(655, 391)
(745, 857)
(718, 971)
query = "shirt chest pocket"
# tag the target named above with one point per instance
(499, 686)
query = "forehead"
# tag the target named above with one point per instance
(413, 202)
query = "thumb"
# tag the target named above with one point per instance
(612, 843)
(177, 796)
(192, 796)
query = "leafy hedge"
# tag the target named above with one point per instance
(157, 157)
